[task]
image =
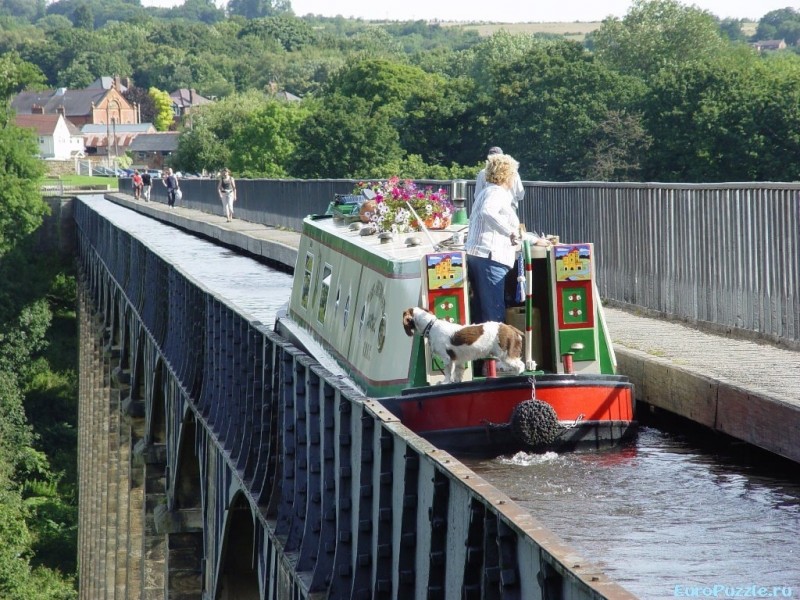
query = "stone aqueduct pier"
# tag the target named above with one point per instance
(216, 462)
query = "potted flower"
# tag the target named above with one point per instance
(399, 205)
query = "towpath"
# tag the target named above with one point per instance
(745, 389)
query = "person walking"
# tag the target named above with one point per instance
(517, 191)
(226, 187)
(170, 181)
(492, 239)
(147, 183)
(137, 185)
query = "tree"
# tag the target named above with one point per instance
(657, 34)
(21, 205)
(262, 144)
(731, 119)
(780, 24)
(549, 106)
(617, 148)
(346, 137)
(30, 10)
(198, 10)
(162, 103)
(253, 9)
(83, 17)
(291, 32)
(199, 149)
(15, 75)
(732, 29)
(140, 96)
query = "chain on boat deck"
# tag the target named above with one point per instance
(747, 389)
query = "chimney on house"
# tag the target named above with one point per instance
(60, 110)
(191, 96)
(37, 109)
(117, 84)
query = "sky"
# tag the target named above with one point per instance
(507, 11)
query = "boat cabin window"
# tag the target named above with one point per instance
(322, 307)
(346, 313)
(309, 268)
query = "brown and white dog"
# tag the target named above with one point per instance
(456, 344)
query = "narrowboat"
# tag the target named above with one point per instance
(349, 294)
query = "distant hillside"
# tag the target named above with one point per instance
(574, 31)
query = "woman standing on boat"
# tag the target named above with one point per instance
(491, 241)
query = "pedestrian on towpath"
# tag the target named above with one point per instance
(517, 191)
(137, 185)
(170, 181)
(147, 183)
(226, 187)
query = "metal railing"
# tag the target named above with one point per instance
(726, 256)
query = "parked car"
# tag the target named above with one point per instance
(101, 171)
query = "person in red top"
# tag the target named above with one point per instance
(137, 185)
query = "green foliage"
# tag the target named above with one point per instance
(657, 34)
(21, 206)
(83, 17)
(261, 145)
(783, 23)
(15, 432)
(162, 105)
(291, 33)
(618, 149)
(205, 11)
(253, 9)
(29, 10)
(347, 138)
(550, 104)
(414, 167)
(733, 119)
(199, 149)
(24, 337)
(253, 134)
(15, 75)
(732, 29)
(102, 11)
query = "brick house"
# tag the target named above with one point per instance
(93, 105)
(184, 101)
(769, 45)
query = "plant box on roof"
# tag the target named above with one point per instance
(395, 202)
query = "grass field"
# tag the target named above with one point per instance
(575, 31)
(82, 180)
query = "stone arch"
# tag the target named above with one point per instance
(238, 572)
(157, 425)
(187, 492)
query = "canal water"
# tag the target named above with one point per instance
(667, 516)
(664, 517)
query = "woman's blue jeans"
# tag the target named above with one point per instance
(487, 279)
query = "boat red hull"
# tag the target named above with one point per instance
(596, 410)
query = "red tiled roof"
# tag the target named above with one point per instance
(43, 124)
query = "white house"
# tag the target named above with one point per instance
(58, 138)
